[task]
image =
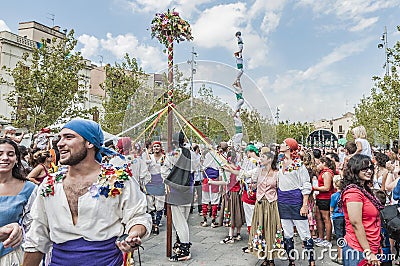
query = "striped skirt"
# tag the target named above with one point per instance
(232, 213)
(265, 225)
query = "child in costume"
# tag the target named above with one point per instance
(210, 192)
(237, 138)
(239, 65)
(239, 97)
(238, 36)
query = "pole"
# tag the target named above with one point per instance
(191, 92)
(385, 42)
(169, 134)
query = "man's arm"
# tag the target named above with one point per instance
(32, 258)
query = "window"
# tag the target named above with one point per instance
(340, 128)
(48, 40)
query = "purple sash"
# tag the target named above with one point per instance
(82, 252)
(211, 173)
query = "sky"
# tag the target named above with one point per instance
(311, 59)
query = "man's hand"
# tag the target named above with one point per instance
(11, 235)
(130, 243)
(304, 210)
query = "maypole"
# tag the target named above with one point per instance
(168, 27)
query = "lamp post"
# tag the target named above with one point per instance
(192, 63)
(277, 116)
(387, 68)
(384, 45)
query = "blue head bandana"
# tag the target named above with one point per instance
(91, 131)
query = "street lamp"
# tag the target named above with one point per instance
(387, 67)
(192, 63)
(277, 115)
(382, 45)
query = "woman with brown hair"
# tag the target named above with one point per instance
(265, 224)
(14, 194)
(42, 163)
(326, 168)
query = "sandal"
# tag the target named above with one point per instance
(156, 230)
(246, 250)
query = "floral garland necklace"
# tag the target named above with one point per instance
(296, 164)
(109, 183)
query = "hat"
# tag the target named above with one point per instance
(252, 148)
(90, 131)
(45, 130)
(292, 143)
(157, 142)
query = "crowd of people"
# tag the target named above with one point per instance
(53, 197)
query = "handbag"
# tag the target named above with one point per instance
(390, 217)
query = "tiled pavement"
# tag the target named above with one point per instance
(206, 249)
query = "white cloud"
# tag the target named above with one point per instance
(153, 6)
(150, 58)
(313, 85)
(216, 26)
(354, 11)
(3, 26)
(90, 45)
(364, 23)
(147, 6)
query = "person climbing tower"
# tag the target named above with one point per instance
(239, 97)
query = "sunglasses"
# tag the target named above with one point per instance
(370, 167)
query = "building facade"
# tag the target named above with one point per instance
(13, 46)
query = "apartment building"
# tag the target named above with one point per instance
(13, 46)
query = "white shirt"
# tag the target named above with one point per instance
(98, 218)
(366, 149)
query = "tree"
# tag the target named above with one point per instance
(121, 85)
(50, 85)
(379, 113)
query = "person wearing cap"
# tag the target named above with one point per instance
(177, 172)
(81, 210)
(155, 189)
(294, 187)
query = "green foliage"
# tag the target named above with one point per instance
(121, 85)
(299, 131)
(49, 85)
(379, 112)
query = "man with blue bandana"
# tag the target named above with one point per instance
(81, 210)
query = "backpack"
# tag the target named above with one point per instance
(390, 217)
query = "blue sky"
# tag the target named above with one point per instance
(312, 59)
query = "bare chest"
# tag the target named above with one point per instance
(73, 192)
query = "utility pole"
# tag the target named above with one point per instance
(277, 115)
(193, 64)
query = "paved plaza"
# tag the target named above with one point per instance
(207, 250)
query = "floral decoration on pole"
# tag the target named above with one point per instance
(168, 27)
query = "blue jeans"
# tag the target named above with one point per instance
(351, 256)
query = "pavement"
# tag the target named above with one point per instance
(207, 250)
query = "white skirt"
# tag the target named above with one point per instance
(14, 258)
